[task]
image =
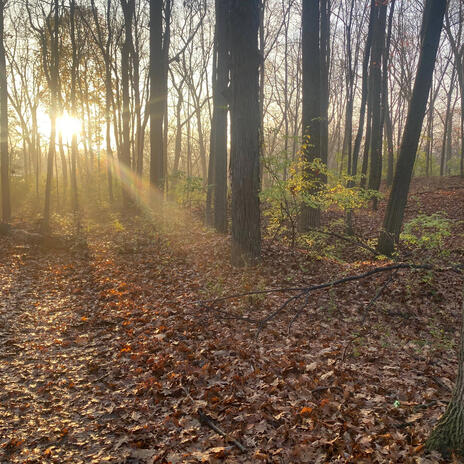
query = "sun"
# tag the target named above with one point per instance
(68, 126)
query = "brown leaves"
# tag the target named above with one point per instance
(106, 359)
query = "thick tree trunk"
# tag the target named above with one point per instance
(245, 123)
(431, 29)
(311, 116)
(448, 435)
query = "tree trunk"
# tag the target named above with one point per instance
(364, 92)
(431, 28)
(128, 10)
(4, 156)
(64, 165)
(386, 117)
(446, 125)
(54, 67)
(311, 117)
(156, 92)
(324, 57)
(220, 118)
(74, 71)
(390, 150)
(448, 435)
(245, 122)
(375, 172)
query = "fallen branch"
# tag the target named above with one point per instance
(373, 271)
(304, 291)
(379, 293)
(208, 421)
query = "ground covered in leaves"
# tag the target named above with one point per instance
(108, 352)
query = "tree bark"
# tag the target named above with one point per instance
(245, 123)
(311, 113)
(156, 90)
(378, 43)
(220, 110)
(446, 124)
(125, 158)
(364, 92)
(386, 117)
(431, 29)
(4, 155)
(54, 67)
(74, 71)
(448, 435)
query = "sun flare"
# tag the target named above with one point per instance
(68, 126)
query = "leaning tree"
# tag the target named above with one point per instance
(432, 24)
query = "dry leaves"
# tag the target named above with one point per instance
(106, 357)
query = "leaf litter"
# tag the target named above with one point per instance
(108, 357)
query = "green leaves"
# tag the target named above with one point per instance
(427, 231)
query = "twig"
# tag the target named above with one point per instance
(346, 239)
(208, 421)
(376, 270)
(298, 312)
(304, 291)
(378, 293)
(440, 383)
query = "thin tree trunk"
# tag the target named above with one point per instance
(446, 125)
(364, 91)
(156, 90)
(4, 156)
(220, 111)
(375, 172)
(128, 10)
(386, 117)
(53, 109)
(74, 71)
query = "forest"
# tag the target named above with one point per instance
(231, 231)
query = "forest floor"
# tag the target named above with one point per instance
(107, 353)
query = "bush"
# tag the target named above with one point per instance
(427, 232)
(285, 196)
